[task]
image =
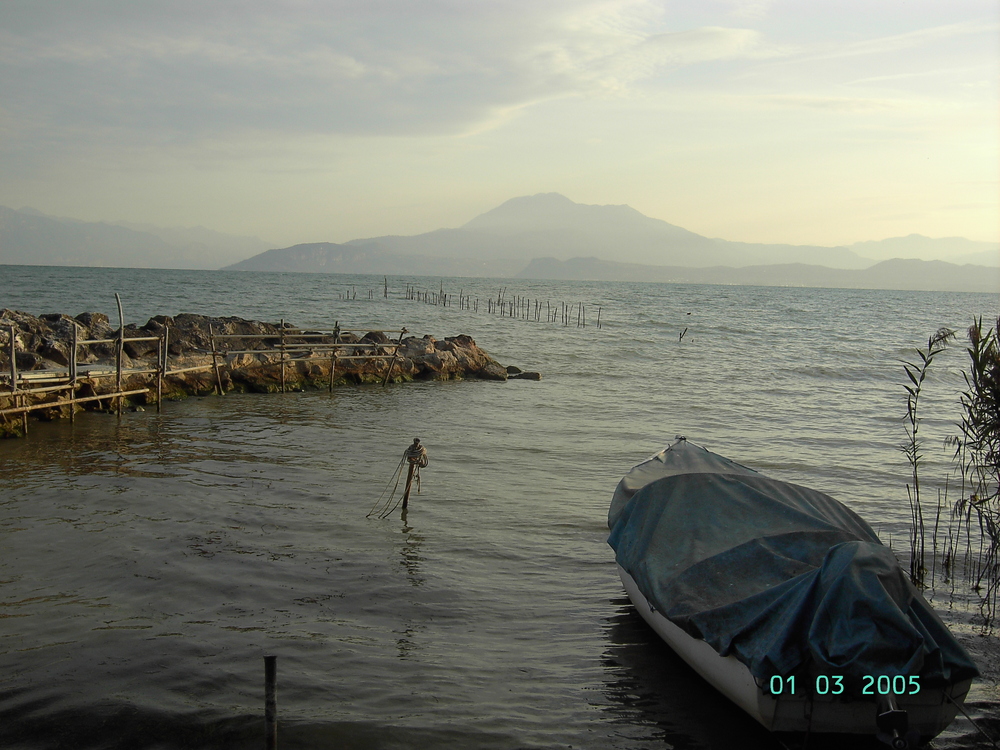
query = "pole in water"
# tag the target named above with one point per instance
(409, 482)
(416, 458)
(270, 703)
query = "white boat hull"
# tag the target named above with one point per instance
(928, 712)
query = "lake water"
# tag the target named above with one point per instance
(148, 563)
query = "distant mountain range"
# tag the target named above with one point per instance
(540, 236)
(29, 237)
(549, 236)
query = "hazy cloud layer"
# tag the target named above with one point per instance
(97, 96)
(381, 67)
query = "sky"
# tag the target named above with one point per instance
(807, 122)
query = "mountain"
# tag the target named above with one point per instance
(29, 237)
(551, 225)
(549, 236)
(539, 236)
(951, 249)
(912, 274)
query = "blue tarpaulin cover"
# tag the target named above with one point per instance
(785, 578)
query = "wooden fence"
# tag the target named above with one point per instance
(290, 344)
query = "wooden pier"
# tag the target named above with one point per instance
(34, 390)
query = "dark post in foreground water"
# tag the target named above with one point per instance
(270, 703)
(416, 458)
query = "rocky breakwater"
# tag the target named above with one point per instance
(249, 355)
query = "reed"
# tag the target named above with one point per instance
(913, 447)
(973, 533)
(977, 454)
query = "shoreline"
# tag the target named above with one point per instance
(62, 364)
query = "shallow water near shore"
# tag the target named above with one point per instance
(148, 563)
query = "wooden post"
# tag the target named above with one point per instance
(271, 702)
(72, 373)
(385, 280)
(15, 399)
(395, 355)
(165, 345)
(118, 354)
(12, 351)
(333, 353)
(598, 318)
(409, 482)
(215, 361)
(416, 457)
(282, 345)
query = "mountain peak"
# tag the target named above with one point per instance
(545, 212)
(526, 209)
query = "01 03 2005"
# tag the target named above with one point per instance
(836, 684)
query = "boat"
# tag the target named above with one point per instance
(784, 600)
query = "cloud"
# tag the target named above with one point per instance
(910, 40)
(704, 44)
(834, 103)
(189, 70)
(750, 9)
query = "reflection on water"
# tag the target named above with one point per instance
(410, 551)
(649, 686)
(410, 560)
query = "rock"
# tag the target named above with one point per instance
(46, 343)
(94, 321)
(27, 361)
(414, 347)
(513, 370)
(138, 349)
(158, 324)
(24, 322)
(56, 351)
(492, 371)
(527, 376)
(28, 330)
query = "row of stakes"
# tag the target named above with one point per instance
(523, 308)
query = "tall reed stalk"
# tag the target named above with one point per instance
(912, 448)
